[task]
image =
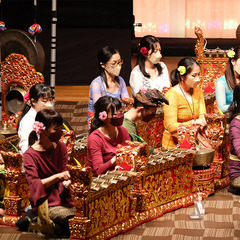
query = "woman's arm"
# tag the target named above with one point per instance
(124, 91)
(221, 96)
(136, 81)
(95, 90)
(96, 156)
(63, 176)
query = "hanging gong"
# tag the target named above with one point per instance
(17, 41)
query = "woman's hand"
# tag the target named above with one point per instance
(113, 160)
(200, 121)
(63, 176)
(67, 184)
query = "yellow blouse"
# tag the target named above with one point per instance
(178, 112)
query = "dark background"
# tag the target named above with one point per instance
(83, 28)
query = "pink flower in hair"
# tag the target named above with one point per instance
(143, 51)
(143, 89)
(26, 96)
(38, 127)
(103, 115)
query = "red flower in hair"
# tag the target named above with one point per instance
(26, 96)
(143, 51)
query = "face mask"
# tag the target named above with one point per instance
(56, 136)
(40, 105)
(155, 57)
(192, 82)
(117, 120)
(115, 71)
(148, 117)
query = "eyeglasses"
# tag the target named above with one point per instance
(115, 64)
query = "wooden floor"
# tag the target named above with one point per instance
(81, 93)
(74, 93)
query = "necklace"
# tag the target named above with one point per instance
(192, 110)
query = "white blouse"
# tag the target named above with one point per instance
(25, 127)
(138, 80)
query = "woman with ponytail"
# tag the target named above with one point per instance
(225, 85)
(150, 73)
(45, 163)
(186, 101)
(234, 137)
(105, 134)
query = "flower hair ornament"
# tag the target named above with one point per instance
(143, 51)
(38, 127)
(103, 115)
(231, 54)
(26, 97)
(143, 89)
(182, 70)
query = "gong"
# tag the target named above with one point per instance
(17, 41)
(14, 99)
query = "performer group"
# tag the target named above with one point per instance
(178, 93)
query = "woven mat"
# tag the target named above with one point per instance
(76, 113)
(221, 221)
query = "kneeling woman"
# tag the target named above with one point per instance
(234, 136)
(105, 134)
(45, 165)
(186, 101)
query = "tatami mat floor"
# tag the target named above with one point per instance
(221, 221)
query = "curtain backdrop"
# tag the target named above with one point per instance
(177, 18)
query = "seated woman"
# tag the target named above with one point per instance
(109, 82)
(225, 85)
(45, 165)
(105, 134)
(40, 97)
(234, 136)
(186, 101)
(150, 73)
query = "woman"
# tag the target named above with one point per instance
(45, 165)
(109, 82)
(234, 137)
(105, 134)
(186, 101)
(150, 73)
(40, 97)
(225, 85)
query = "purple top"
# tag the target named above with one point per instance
(234, 135)
(98, 89)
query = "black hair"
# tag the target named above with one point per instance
(105, 103)
(37, 91)
(229, 73)
(186, 62)
(104, 56)
(149, 42)
(49, 118)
